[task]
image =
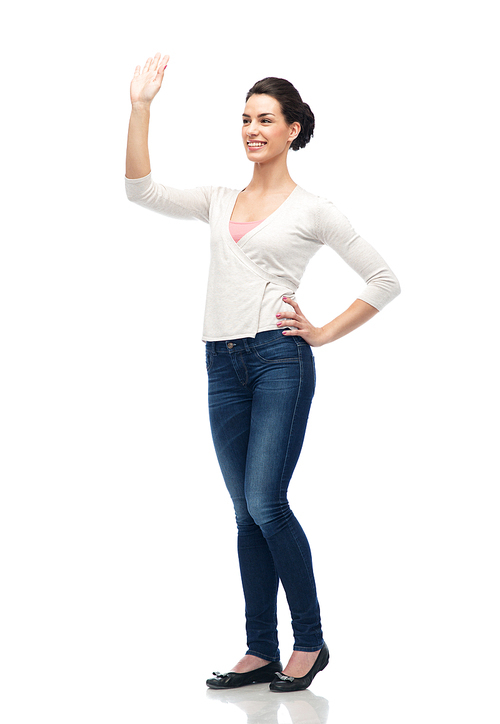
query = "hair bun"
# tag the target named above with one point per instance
(306, 128)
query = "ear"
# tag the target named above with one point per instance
(294, 131)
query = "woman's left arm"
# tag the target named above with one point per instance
(357, 314)
(334, 229)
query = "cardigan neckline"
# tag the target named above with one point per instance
(261, 225)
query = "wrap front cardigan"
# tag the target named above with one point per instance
(247, 280)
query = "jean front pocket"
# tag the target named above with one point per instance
(283, 349)
(209, 359)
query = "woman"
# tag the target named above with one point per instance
(258, 352)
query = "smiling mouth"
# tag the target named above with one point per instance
(256, 144)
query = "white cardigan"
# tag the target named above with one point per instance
(248, 279)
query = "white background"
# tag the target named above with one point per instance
(118, 563)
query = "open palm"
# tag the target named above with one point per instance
(146, 83)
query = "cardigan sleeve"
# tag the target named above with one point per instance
(177, 203)
(334, 230)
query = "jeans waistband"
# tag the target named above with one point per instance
(248, 343)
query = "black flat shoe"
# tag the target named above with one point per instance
(282, 682)
(232, 680)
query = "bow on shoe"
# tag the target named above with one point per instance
(284, 677)
(218, 675)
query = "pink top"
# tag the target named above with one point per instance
(237, 229)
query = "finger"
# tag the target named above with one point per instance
(155, 62)
(137, 70)
(292, 303)
(289, 320)
(147, 65)
(292, 313)
(163, 64)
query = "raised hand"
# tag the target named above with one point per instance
(146, 83)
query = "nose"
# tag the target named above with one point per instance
(251, 128)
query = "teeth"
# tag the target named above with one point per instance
(256, 144)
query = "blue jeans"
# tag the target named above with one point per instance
(260, 391)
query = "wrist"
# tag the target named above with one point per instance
(141, 106)
(318, 337)
(323, 337)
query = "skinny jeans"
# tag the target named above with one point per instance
(260, 392)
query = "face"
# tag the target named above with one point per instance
(265, 133)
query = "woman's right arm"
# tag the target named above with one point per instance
(176, 203)
(143, 88)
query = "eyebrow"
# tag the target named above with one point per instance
(245, 115)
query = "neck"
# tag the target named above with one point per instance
(272, 176)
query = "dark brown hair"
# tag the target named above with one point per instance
(292, 106)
